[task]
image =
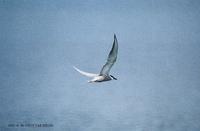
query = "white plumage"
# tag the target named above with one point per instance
(104, 73)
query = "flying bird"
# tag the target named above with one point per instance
(104, 73)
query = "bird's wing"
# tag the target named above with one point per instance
(112, 57)
(85, 73)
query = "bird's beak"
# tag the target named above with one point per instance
(113, 77)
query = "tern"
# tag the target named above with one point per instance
(104, 73)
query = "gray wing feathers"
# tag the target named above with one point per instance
(112, 57)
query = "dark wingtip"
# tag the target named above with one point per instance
(115, 36)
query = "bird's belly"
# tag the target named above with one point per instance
(98, 78)
(102, 78)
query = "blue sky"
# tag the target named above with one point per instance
(157, 67)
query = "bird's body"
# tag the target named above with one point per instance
(97, 79)
(100, 78)
(104, 73)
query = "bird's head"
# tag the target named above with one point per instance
(113, 77)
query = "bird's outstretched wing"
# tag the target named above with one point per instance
(112, 57)
(85, 73)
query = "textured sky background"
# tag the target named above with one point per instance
(158, 66)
